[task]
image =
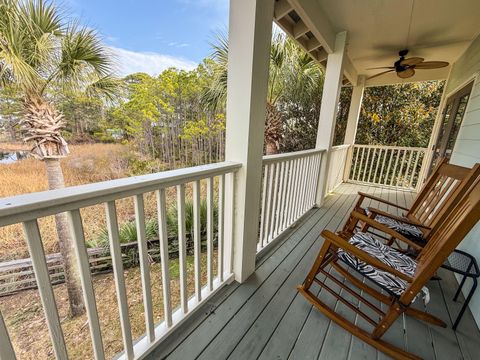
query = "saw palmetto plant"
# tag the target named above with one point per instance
(42, 54)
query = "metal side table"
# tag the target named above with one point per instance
(466, 265)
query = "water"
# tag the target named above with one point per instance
(8, 157)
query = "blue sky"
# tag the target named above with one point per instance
(149, 35)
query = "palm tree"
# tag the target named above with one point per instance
(290, 68)
(41, 55)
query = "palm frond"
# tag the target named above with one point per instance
(107, 87)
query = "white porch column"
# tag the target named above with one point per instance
(250, 33)
(354, 111)
(328, 110)
(352, 122)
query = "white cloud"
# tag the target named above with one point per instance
(149, 62)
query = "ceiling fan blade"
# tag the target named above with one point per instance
(411, 61)
(381, 67)
(431, 65)
(405, 74)
(383, 72)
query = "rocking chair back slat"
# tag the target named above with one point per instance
(442, 191)
(445, 239)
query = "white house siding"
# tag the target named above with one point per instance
(467, 147)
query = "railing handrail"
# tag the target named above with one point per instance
(339, 147)
(390, 147)
(267, 159)
(31, 206)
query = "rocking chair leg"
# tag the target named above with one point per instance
(381, 345)
(319, 262)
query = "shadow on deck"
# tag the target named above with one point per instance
(265, 317)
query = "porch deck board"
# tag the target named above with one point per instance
(265, 318)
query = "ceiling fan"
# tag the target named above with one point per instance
(405, 68)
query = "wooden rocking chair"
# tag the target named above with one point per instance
(393, 278)
(439, 195)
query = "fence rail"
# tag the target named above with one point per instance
(288, 191)
(390, 166)
(27, 209)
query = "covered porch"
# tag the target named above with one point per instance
(266, 318)
(271, 209)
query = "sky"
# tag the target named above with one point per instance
(152, 35)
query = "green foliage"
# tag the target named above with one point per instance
(401, 115)
(128, 230)
(40, 53)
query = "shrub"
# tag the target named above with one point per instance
(128, 230)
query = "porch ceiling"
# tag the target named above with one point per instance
(378, 29)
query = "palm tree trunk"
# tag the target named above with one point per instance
(65, 241)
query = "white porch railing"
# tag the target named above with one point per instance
(27, 209)
(336, 166)
(390, 166)
(289, 188)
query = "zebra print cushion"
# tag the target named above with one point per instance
(411, 232)
(385, 254)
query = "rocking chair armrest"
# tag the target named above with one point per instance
(385, 229)
(372, 197)
(362, 255)
(398, 218)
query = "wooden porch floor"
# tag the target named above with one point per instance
(265, 318)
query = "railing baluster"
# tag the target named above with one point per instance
(414, 170)
(75, 223)
(144, 266)
(269, 205)
(197, 241)
(6, 348)
(264, 207)
(407, 172)
(288, 203)
(117, 264)
(304, 184)
(228, 221)
(164, 255)
(300, 175)
(366, 165)
(400, 171)
(295, 190)
(361, 165)
(280, 208)
(274, 202)
(387, 174)
(373, 160)
(314, 178)
(210, 233)
(39, 263)
(380, 152)
(182, 251)
(357, 152)
(395, 167)
(308, 188)
(221, 215)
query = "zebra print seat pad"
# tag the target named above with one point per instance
(411, 232)
(385, 254)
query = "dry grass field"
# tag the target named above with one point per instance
(86, 164)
